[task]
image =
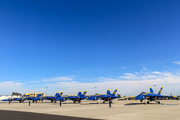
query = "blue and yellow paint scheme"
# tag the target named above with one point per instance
(146, 96)
(15, 99)
(32, 98)
(27, 96)
(105, 97)
(77, 97)
(8, 99)
(52, 98)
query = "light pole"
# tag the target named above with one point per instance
(95, 90)
(46, 90)
(155, 88)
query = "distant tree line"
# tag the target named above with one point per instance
(16, 94)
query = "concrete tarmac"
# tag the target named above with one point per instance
(17, 115)
(125, 109)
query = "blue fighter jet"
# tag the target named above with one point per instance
(32, 98)
(75, 98)
(149, 97)
(60, 98)
(8, 99)
(21, 99)
(104, 97)
(52, 98)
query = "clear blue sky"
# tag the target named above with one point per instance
(87, 39)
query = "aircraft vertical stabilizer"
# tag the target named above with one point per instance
(60, 94)
(84, 93)
(160, 91)
(151, 90)
(115, 92)
(57, 94)
(108, 92)
(38, 95)
(79, 93)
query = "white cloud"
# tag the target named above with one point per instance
(144, 68)
(10, 85)
(125, 87)
(57, 79)
(6, 88)
(162, 73)
(149, 76)
(128, 76)
(124, 67)
(176, 62)
(129, 84)
(157, 72)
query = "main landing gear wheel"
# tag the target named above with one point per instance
(158, 102)
(103, 101)
(141, 101)
(147, 102)
(51, 101)
(74, 101)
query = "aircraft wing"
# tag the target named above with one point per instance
(60, 98)
(92, 98)
(158, 96)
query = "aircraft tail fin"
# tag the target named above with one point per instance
(84, 93)
(60, 94)
(151, 90)
(79, 93)
(57, 94)
(38, 95)
(160, 91)
(108, 92)
(115, 92)
(42, 94)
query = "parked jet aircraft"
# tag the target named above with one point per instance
(52, 98)
(147, 97)
(8, 99)
(75, 98)
(16, 99)
(32, 98)
(27, 97)
(104, 97)
(60, 98)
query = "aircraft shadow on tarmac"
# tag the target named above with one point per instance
(138, 103)
(83, 103)
(92, 103)
(17, 115)
(148, 104)
(71, 103)
(96, 103)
